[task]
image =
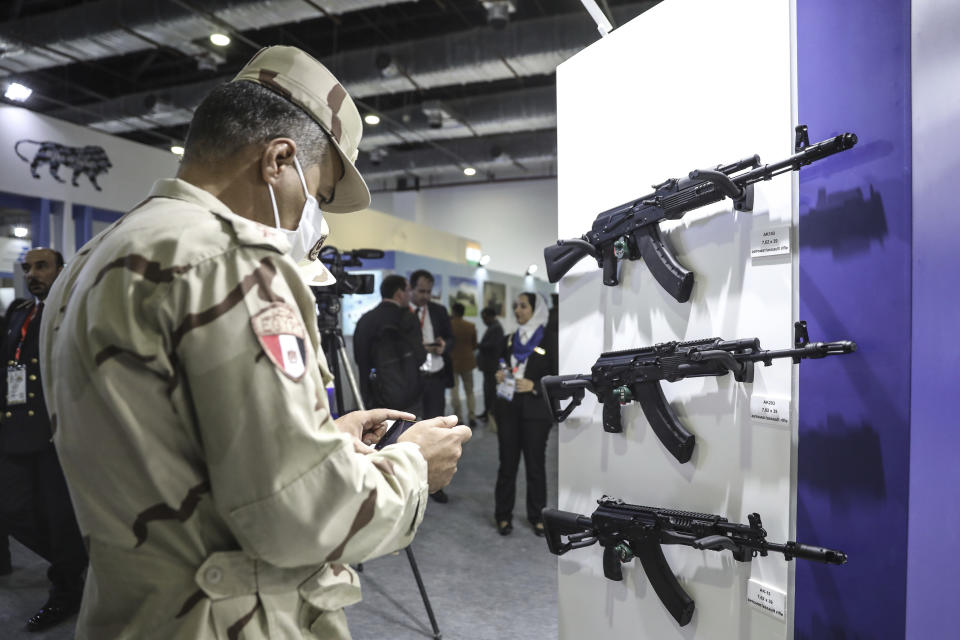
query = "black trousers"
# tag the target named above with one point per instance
(517, 437)
(434, 396)
(489, 391)
(35, 509)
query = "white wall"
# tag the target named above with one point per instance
(513, 221)
(127, 182)
(678, 66)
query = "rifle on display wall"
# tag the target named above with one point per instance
(626, 531)
(634, 375)
(632, 231)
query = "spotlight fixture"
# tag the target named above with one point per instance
(176, 150)
(371, 118)
(17, 92)
(532, 269)
(484, 260)
(377, 155)
(20, 231)
(386, 65)
(469, 171)
(498, 12)
(220, 39)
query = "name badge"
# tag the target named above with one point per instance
(507, 388)
(16, 385)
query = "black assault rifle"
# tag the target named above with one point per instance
(632, 230)
(626, 531)
(621, 377)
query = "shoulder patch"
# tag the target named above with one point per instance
(281, 333)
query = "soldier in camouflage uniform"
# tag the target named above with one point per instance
(216, 495)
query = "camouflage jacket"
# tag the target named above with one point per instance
(187, 398)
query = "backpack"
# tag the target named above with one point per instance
(395, 378)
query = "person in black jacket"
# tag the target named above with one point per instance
(488, 356)
(393, 310)
(523, 421)
(437, 335)
(35, 505)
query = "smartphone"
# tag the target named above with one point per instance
(397, 428)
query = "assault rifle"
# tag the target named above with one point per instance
(626, 531)
(621, 377)
(632, 230)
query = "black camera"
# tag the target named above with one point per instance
(328, 298)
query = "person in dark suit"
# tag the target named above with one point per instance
(523, 420)
(35, 505)
(393, 310)
(438, 339)
(488, 356)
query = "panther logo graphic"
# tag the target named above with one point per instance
(90, 160)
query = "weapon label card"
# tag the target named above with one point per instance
(770, 409)
(769, 241)
(767, 598)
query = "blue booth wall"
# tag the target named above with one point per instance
(859, 482)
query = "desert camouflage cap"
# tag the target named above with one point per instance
(303, 80)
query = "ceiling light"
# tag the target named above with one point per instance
(176, 150)
(469, 171)
(220, 39)
(20, 232)
(371, 118)
(532, 269)
(484, 260)
(17, 92)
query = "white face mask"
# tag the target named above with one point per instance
(307, 238)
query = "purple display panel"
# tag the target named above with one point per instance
(853, 62)
(933, 563)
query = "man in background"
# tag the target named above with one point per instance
(438, 339)
(463, 361)
(389, 321)
(34, 502)
(488, 359)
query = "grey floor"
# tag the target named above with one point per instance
(481, 585)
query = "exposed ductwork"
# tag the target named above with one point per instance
(532, 47)
(506, 112)
(508, 156)
(95, 30)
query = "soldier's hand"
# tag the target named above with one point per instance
(440, 441)
(500, 376)
(369, 426)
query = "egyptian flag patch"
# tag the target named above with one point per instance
(281, 334)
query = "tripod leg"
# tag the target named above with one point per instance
(423, 594)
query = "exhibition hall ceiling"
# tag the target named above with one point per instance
(457, 84)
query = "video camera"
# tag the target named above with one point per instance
(328, 298)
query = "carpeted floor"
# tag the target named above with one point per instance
(481, 585)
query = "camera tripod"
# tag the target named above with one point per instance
(335, 351)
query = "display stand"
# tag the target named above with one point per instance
(690, 84)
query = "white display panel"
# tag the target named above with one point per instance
(689, 84)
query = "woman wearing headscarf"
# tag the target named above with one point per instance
(523, 420)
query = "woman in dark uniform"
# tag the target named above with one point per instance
(523, 421)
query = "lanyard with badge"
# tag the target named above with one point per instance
(16, 372)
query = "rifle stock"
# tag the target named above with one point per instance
(561, 257)
(558, 523)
